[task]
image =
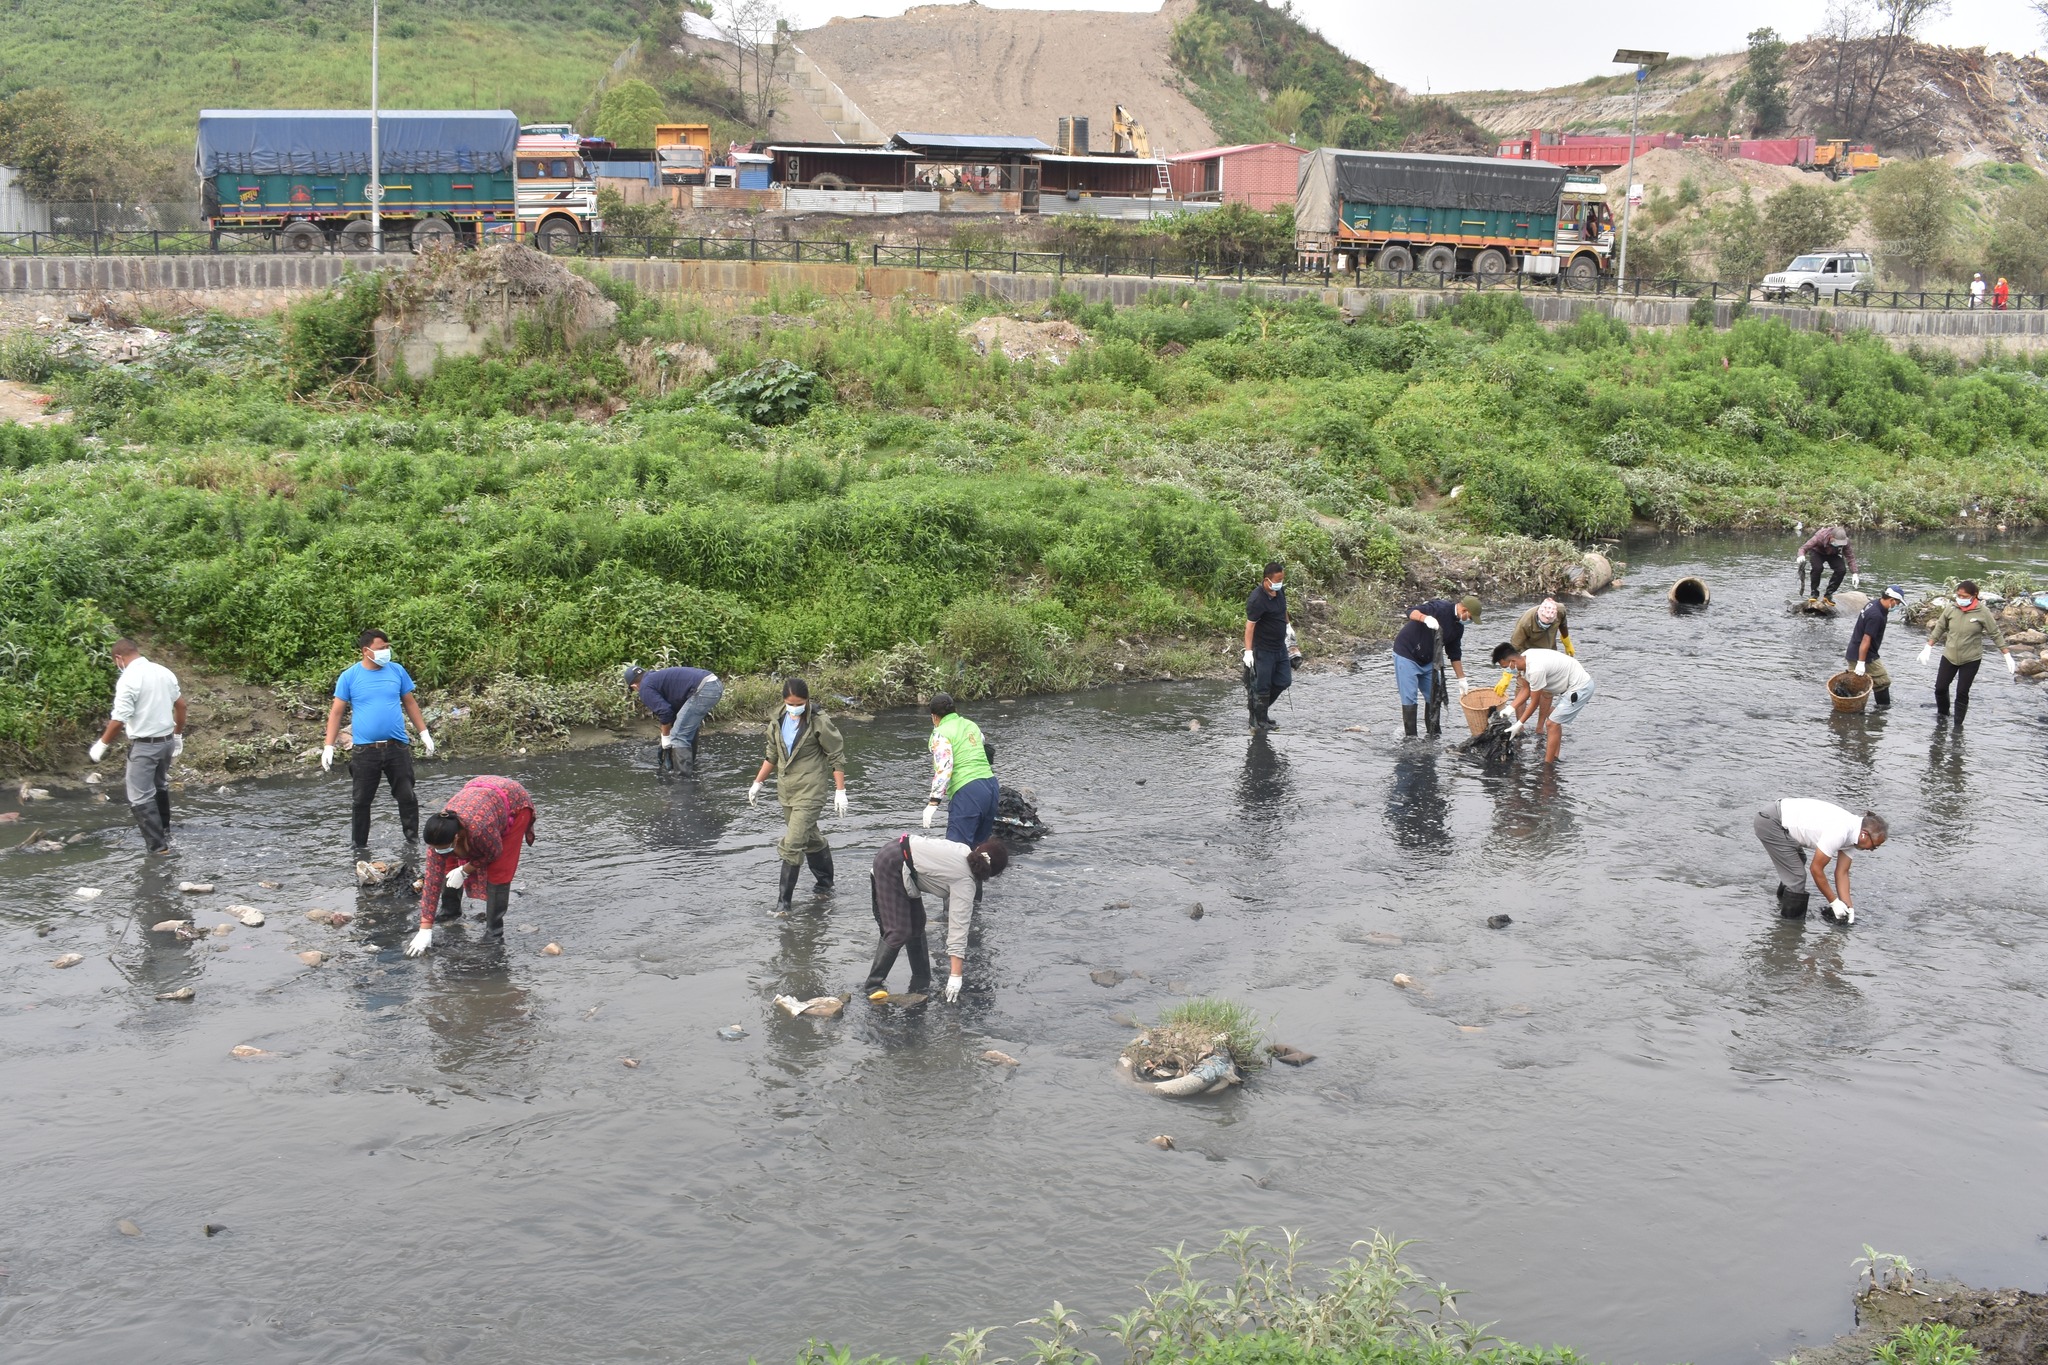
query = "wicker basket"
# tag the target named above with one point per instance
(1479, 704)
(1857, 687)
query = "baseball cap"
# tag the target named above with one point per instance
(1895, 592)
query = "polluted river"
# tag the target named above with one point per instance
(1647, 1118)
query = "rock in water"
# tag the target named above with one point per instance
(223, 930)
(1499, 921)
(1195, 911)
(87, 893)
(312, 957)
(169, 926)
(271, 886)
(249, 915)
(1403, 979)
(339, 919)
(215, 1229)
(552, 950)
(1107, 977)
(1291, 1056)
(69, 960)
(629, 1063)
(244, 1050)
(127, 1228)
(196, 888)
(1162, 1142)
(999, 1058)
(182, 993)
(320, 916)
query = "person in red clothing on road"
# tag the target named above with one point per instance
(473, 845)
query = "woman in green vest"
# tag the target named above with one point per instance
(961, 776)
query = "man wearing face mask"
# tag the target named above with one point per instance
(1437, 622)
(1267, 670)
(1960, 630)
(377, 696)
(808, 757)
(1865, 638)
(1543, 626)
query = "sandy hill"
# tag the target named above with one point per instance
(969, 69)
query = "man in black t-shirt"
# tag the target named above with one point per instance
(1267, 673)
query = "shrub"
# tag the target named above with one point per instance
(772, 394)
(27, 358)
(332, 337)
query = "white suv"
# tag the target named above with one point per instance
(1822, 274)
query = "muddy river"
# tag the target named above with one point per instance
(1648, 1119)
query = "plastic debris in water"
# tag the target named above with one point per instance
(271, 886)
(824, 1006)
(196, 888)
(1291, 1056)
(69, 960)
(1499, 921)
(182, 993)
(223, 930)
(87, 893)
(312, 957)
(999, 1058)
(1162, 1142)
(320, 916)
(552, 950)
(244, 1050)
(1403, 979)
(169, 926)
(126, 1227)
(1195, 911)
(215, 1229)
(732, 1034)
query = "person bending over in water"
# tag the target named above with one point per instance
(1798, 823)
(473, 844)
(909, 868)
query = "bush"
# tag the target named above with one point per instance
(332, 337)
(771, 394)
(27, 358)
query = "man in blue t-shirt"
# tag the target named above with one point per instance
(377, 695)
(680, 698)
(1266, 668)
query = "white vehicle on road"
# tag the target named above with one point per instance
(1822, 275)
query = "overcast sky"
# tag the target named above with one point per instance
(1536, 47)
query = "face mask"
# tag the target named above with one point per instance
(794, 708)
(1276, 585)
(444, 852)
(1964, 602)
(382, 656)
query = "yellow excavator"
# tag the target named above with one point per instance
(1836, 157)
(1129, 134)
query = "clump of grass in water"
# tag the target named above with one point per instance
(1192, 1030)
(1933, 1343)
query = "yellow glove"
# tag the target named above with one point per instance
(1565, 643)
(1500, 689)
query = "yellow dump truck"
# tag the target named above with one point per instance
(683, 151)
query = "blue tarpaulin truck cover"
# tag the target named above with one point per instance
(337, 141)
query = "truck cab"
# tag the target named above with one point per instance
(683, 151)
(557, 194)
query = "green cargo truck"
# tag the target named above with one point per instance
(299, 178)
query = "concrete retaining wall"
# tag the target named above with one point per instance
(256, 284)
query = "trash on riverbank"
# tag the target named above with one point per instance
(1017, 816)
(182, 993)
(823, 1006)
(1000, 1058)
(374, 873)
(1198, 1047)
(69, 960)
(196, 888)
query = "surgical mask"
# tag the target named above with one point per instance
(382, 656)
(1276, 585)
(444, 852)
(794, 708)
(1964, 602)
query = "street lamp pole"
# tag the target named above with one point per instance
(376, 189)
(1642, 61)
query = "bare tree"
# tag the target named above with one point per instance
(1898, 23)
(1846, 27)
(759, 34)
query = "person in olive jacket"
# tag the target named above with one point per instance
(808, 757)
(1960, 631)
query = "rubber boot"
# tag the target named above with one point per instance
(1433, 720)
(879, 969)
(920, 965)
(1882, 698)
(451, 905)
(1260, 701)
(821, 868)
(1266, 711)
(154, 838)
(685, 762)
(497, 899)
(163, 810)
(1408, 721)
(788, 890)
(1791, 904)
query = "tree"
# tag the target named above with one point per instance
(1864, 41)
(758, 35)
(2018, 248)
(60, 153)
(1737, 237)
(1761, 87)
(1912, 207)
(1805, 218)
(628, 112)
(1288, 110)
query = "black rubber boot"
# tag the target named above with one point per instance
(497, 899)
(1266, 711)
(1260, 701)
(154, 837)
(1433, 720)
(163, 810)
(1791, 904)
(821, 868)
(879, 969)
(788, 892)
(451, 905)
(1882, 697)
(920, 965)
(1408, 721)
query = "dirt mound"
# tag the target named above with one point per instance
(966, 69)
(456, 303)
(1053, 341)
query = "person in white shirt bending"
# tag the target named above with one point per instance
(1797, 823)
(1551, 689)
(149, 706)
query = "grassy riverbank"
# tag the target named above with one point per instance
(859, 494)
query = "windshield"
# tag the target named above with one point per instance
(682, 156)
(1807, 263)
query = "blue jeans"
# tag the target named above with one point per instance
(1414, 678)
(971, 812)
(1271, 673)
(683, 731)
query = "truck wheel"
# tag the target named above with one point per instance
(356, 235)
(302, 237)
(1583, 272)
(1396, 259)
(1490, 265)
(432, 234)
(1808, 294)
(1440, 261)
(558, 237)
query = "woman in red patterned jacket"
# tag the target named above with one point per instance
(473, 844)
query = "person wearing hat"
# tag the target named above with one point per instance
(1555, 688)
(1866, 636)
(1543, 626)
(680, 698)
(1829, 551)
(1437, 623)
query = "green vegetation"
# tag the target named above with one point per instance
(858, 494)
(1253, 1302)
(1934, 1343)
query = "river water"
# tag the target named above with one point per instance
(1648, 1119)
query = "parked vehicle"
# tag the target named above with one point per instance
(683, 151)
(1840, 160)
(1822, 275)
(1483, 217)
(557, 195)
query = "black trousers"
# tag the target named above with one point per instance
(1838, 567)
(900, 918)
(1962, 675)
(371, 764)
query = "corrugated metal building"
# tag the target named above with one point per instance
(1261, 175)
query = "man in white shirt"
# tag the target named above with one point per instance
(149, 706)
(1552, 689)
(1798, 823)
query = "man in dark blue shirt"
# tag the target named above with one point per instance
(680, 698)
(1439, 621)
(1865, 638)
(1267, 672)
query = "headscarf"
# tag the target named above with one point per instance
(1547, 612)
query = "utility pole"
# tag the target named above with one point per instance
(1642, 61)
(376, 190)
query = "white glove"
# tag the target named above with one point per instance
(931, 808)
(1843, 911)
(839, 802)
(952, 989)
(427, 743)
(1464, 685)
(2012, 665)
(1432, 623)
(421, 941)
(754, 791)
(1859, 668)
(1247, 658)
(1855, 580)
(668, 741)
(327, 758)
(455, 878)
(1800, 561)
(1926, 654)
(1515, 728)
(98, 750)
(177, 746)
